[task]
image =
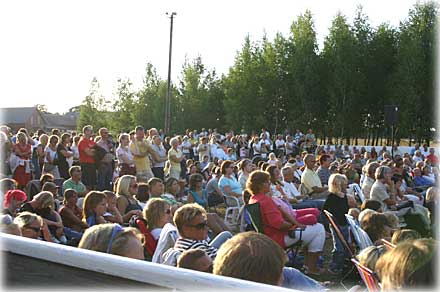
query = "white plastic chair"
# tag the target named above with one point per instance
(232, 211)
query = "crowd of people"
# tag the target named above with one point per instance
(148, 196)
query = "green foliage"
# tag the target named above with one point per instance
(288, 83)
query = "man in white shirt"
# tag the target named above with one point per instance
(311, 180)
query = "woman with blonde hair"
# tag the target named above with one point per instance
(125, 157)
(42, 143)
(32, 226)
(411, 264)
(337, 204)
(125, 201)
(175, 157)
(113, 239)
(157, 213)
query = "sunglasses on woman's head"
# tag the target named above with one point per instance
(200, 225)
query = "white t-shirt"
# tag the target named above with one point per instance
(156, 233)
(49, 152)
(290, 190)
(121, 151)
(280, 143)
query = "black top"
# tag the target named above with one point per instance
(63, 165)
(27, 207)
(338, 207)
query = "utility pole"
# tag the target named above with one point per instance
(167, 100)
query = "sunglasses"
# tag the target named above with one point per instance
(134, 186)
(200, 225)
(36, 229)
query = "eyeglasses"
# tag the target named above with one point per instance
(36, 229)
(200, 225)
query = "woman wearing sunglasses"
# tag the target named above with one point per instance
(197, 194)
(32, 226)
(157, 212)
(192, 225)
(126, 190)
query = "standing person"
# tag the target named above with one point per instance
(158, 165)
(51, 157)
(22, 149)
(63, 153)
(125, 158)
(105, 165)
(75, 150)
(140, 148)
(86, 158)
(42, 142)
(203, 148)
(175, 157)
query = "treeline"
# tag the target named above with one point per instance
(288, 83)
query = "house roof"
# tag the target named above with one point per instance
(60, 121)
(16, 115)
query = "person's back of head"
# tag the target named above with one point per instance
(371, 204)
(370, 255)
(411, 264)
(195, 259)
(403, 235)
(251, 256)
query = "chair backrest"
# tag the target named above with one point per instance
(338, 232)
(388, 244)
(368, 277)
(231, 201)
(150, 243)
(254, 213)
(360, 236)
(358, 192)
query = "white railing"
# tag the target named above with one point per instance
(136, 270)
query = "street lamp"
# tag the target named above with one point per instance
(167, 101)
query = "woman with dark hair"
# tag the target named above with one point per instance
(95, 206)
(50, 159)
(228, 184)
(246, 167)
(281, 230)
(198, 195)
(22, 149)
(63, 152)
(71, 213)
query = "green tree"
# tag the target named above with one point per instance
(93, 109)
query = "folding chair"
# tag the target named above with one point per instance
(342, 239)
(254, 213)
(358, 234)
(387, 244)
(358, 191)
(339, 233)
(232, 211)
(369, 278)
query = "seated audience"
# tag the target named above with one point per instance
(198, 195)
(370, 178)
(143, 194)
(403, 235)
(411, 265)
(74, 182)
(32, 226)
(113, 239)
(157, 213)
(12, 201)
(126, 203)
(311, 181)
(369, 256)
(377, 227)
(195, 259)
(95, 206)
(278, 228)
(70, 213)
(112, 214)
(192, 226)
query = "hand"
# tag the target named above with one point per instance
(135, 212)
(299, 225)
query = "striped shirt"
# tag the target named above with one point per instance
(183, 244)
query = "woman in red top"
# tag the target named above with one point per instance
(277, 225)
(23, 151)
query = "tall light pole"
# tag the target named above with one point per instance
(167, 100)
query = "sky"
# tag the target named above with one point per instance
(51, 50)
